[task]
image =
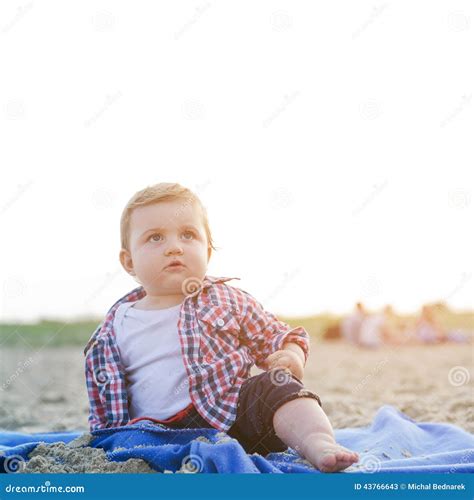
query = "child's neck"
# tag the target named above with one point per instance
(159, 301)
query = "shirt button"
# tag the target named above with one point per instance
(220, 322)
(208, 359)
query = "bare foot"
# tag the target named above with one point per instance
(326, 455)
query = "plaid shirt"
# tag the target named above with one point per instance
(223, 331)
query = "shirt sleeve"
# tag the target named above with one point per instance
(106, 386)
(263, 333)
(97, 411)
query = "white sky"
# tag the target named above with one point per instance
(332, 143)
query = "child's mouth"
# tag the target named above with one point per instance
(174, 267)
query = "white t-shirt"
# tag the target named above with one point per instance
(148, 341)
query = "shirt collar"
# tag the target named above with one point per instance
(139, 292)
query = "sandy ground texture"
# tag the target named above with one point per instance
(44, 390)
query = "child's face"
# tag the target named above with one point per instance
(160, 233)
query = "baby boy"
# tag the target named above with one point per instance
(178, 349)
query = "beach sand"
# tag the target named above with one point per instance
(44, 391)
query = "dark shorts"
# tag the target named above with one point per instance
(259, 398)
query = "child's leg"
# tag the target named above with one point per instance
(302, 425)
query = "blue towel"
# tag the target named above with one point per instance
(393, 443)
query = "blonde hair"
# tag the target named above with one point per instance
(164, 191)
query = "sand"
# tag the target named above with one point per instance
(428, 383)
(62, 458)
(42, 391)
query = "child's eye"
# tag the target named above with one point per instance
(189, 233)
(152, 237)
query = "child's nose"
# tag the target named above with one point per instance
(173, 248)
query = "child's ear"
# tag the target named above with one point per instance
(126, 261)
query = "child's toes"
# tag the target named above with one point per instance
(328, 461)
(344, 458)
(348, 454)
(342, 453)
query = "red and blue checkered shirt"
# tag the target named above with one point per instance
(223, 331)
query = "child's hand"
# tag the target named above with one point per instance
(286, 359)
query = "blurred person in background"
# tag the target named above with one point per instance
(427, 329)
(350, 325)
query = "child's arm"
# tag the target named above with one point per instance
(264, 334)
(286, 359)
(97, 411)
(108, 405)
(290, 346)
